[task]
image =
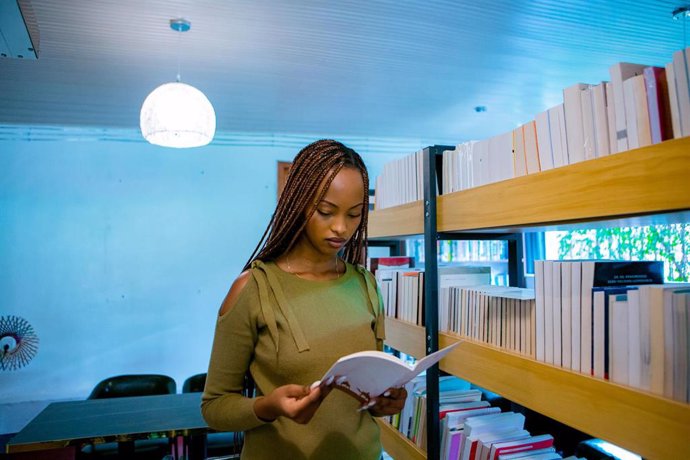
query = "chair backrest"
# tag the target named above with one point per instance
(194, 384)
(134, 385)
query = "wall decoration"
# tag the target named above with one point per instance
(18, 343)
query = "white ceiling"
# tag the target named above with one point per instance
(397, 69)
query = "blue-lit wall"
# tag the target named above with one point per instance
(119, 255)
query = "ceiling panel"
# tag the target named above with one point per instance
(399, 69)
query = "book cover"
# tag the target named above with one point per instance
(559, 142)
(370, 373)
(631, 127)
(658, 104)
(644, 135)
(619, 72)
(522, 445)
(618, 338)
(519, 159)
(576, 314)
(572, 104)
(611, 118)
(532, 159)
(588, 131)
(673, 101)
(390, 262)
(601, 332)
(544, 147)
(600, 120)
(622, 273)
(682, 87)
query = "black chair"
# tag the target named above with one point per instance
(194, 384)
(124, 386)
(134, 385)
(225, 445)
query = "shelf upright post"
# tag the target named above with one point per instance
(431, 157)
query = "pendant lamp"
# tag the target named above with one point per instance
(176, 114)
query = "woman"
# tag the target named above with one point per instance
(298, 307)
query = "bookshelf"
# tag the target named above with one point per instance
(645, 186)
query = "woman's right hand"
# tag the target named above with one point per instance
(296, 402)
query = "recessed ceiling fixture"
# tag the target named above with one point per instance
(176, 114)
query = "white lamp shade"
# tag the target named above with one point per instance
(177, 115)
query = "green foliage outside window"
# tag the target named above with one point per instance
(668, 243)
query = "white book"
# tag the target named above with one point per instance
(548, 311)
(673, 100)
(682, 87)
(531, 148)
(634, 339)
(618, 338)
(586, 323)
(566, 314)
(576, 314)
(572, 105)
(557, 315)
(644, 126)
(620, 72)
(519, 158)
(631, 112)
(370, 373)
(559, 141)
(598, 334)
(611, 118)
(588, 130)
(601, 120)
(680, 303)
(544, 140)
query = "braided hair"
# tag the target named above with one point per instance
(318, 162)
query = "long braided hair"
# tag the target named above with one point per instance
(318, 162)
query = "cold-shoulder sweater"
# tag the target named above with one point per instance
(285, 330)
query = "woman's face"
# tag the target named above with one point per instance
(338, 214)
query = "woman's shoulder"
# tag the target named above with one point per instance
(236, 289)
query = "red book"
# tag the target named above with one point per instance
(390, 262)
(521, 445)
(658, 104)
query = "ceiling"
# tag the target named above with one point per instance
(381, 69)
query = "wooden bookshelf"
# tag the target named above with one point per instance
(398, 446)
(643, 182)
(649, 425)
(405, 337)
(644, 186)
(403, 220)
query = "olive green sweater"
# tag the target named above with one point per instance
(285, 329)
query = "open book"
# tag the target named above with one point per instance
(370, 373)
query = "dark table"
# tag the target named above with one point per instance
(74, 423)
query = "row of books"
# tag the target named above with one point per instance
(500, 316)
(639, 106)
(402, 289)
(615, 321)
(471, 429)
(400, 181)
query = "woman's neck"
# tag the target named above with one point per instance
(311, 266)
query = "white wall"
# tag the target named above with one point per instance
(119, 254)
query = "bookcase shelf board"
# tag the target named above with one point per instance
(405, 337)
(651, 426)
(406, 219)
(397, 445)
(638, 182)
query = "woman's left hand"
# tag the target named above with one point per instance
(389, 403)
